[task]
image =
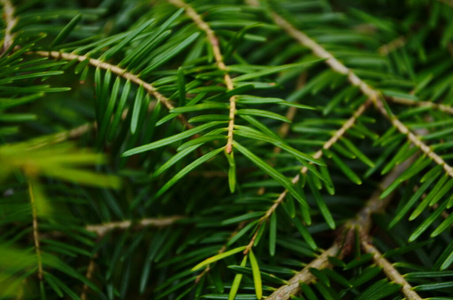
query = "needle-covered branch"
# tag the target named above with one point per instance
(370, 92)
(389, 270)
(336, 136)
(362, 221)
(215, 46)
(118, 71)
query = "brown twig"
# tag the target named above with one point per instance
(362, 221)
(215, 45)
(102, 229)
(10, 21)
(389, 270)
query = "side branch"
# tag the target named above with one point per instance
(10, 21)
(338, 134)
(35, 229)
(116, 70)
(214, 42)
(64, 135)
(362, 221)
(390, 271)
(442, 107)
(102, 229)
(371, 93)
(392, 46)
(77, 131)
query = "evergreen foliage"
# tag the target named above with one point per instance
(259, 149)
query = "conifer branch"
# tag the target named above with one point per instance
(362, 221)
(389, 270)
(337, 135)
(102, 229)
(215, 45)
(371, 93)
(442, 107)
(35, 229)
(10, 21)
(118, 71)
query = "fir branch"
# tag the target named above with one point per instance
(362, 221)
(372, 94)
(35, 228)
(389, 270)
(102, 229)
(336, 136)
(215, 45)
(442, 107)
(118, 71)
(10, 21)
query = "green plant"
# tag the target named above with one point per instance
(238, 150)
